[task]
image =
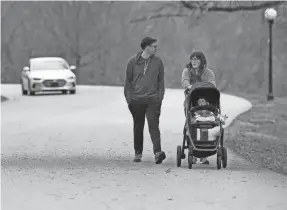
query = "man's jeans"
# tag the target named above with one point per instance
(151, 108)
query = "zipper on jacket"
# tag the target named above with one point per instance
(146, 65)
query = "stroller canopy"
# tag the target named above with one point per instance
(204, 90)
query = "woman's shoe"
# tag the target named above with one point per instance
(194, 160)
(204, 161)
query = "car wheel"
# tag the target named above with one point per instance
(73, 91)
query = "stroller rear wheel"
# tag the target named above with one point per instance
(179, 156)
(218, 161)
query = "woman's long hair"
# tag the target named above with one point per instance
(201, 57)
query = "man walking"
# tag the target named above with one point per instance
(144, 91)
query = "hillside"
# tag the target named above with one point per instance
(98, 38)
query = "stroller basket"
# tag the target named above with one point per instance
(205, 144)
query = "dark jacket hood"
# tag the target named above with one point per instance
(137, 56)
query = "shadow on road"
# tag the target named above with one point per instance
(50, 161)
(48, 94)
(96, 161)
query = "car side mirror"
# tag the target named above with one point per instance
(26, 68)
(73, 67)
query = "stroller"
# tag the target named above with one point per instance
(202, 148)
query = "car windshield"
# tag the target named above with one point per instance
(48, 65)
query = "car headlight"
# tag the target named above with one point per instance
(72, 77)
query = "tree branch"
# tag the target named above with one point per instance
(208, 6)
(240, 7)
(164, 6)
(150, 17)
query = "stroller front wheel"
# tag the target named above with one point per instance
(190, 158)
(179, 156)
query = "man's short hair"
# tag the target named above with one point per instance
(147, 41)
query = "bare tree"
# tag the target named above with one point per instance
(10, 32)
(79, 27)
(196, 8)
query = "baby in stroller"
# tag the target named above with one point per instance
(204, 115)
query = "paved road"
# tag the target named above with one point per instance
(71, 152)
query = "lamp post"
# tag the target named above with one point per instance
(270, 14)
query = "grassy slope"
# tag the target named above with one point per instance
(259, 135)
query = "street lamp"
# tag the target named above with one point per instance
(270, 14)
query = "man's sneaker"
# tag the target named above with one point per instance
(138, 158)
(159, 157)
(204, 161)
